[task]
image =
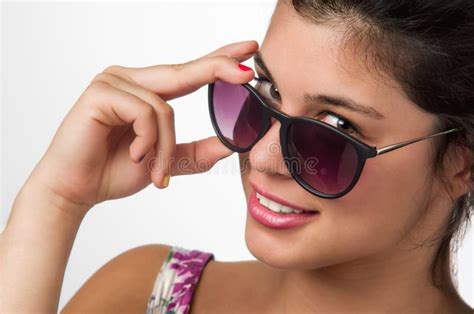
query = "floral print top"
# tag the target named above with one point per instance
(177, 280)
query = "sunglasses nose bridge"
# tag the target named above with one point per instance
(280, 116)
(274, 113)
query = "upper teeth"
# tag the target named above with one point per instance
(276, 207)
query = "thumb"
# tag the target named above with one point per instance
(198, 156)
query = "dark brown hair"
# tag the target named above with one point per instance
(428, 47)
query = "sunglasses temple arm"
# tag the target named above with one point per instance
(389, 148)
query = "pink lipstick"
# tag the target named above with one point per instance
(277, 220)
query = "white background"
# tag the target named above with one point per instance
(50, 52)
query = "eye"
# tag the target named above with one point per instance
(270, 93)
(267, 90)
(340, 122)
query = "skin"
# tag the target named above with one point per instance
(354, 258)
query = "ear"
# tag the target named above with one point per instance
(458, 167)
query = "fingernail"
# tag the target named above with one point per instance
(141, 158)
(166, 181)
(244, 67)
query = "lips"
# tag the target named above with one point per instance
(280, 200)
(277, 221)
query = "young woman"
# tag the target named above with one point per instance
(340, 217)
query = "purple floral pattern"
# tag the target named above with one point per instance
(177, 280)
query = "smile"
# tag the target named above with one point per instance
(276, 207)
(274, 214)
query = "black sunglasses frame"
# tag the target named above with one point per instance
(363, 150)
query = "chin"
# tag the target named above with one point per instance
(281, 249)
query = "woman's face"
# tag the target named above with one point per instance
(383, 213)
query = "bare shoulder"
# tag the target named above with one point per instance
(233, 287)
(123, 284)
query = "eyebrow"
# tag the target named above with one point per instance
(311, 99)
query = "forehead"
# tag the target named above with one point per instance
(308, 57)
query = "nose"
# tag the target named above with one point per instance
(266, 155)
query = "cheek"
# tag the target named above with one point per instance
(373, 218)
(384, 205)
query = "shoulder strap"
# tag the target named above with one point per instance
(177, 280)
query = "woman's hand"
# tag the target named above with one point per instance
(123, 115)
(94, 156)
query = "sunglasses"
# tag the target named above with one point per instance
(324, 160)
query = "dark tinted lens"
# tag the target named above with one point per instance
(238, 115)
(324, 159)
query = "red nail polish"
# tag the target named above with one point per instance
(244, 67)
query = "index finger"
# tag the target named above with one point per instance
(171, 81)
